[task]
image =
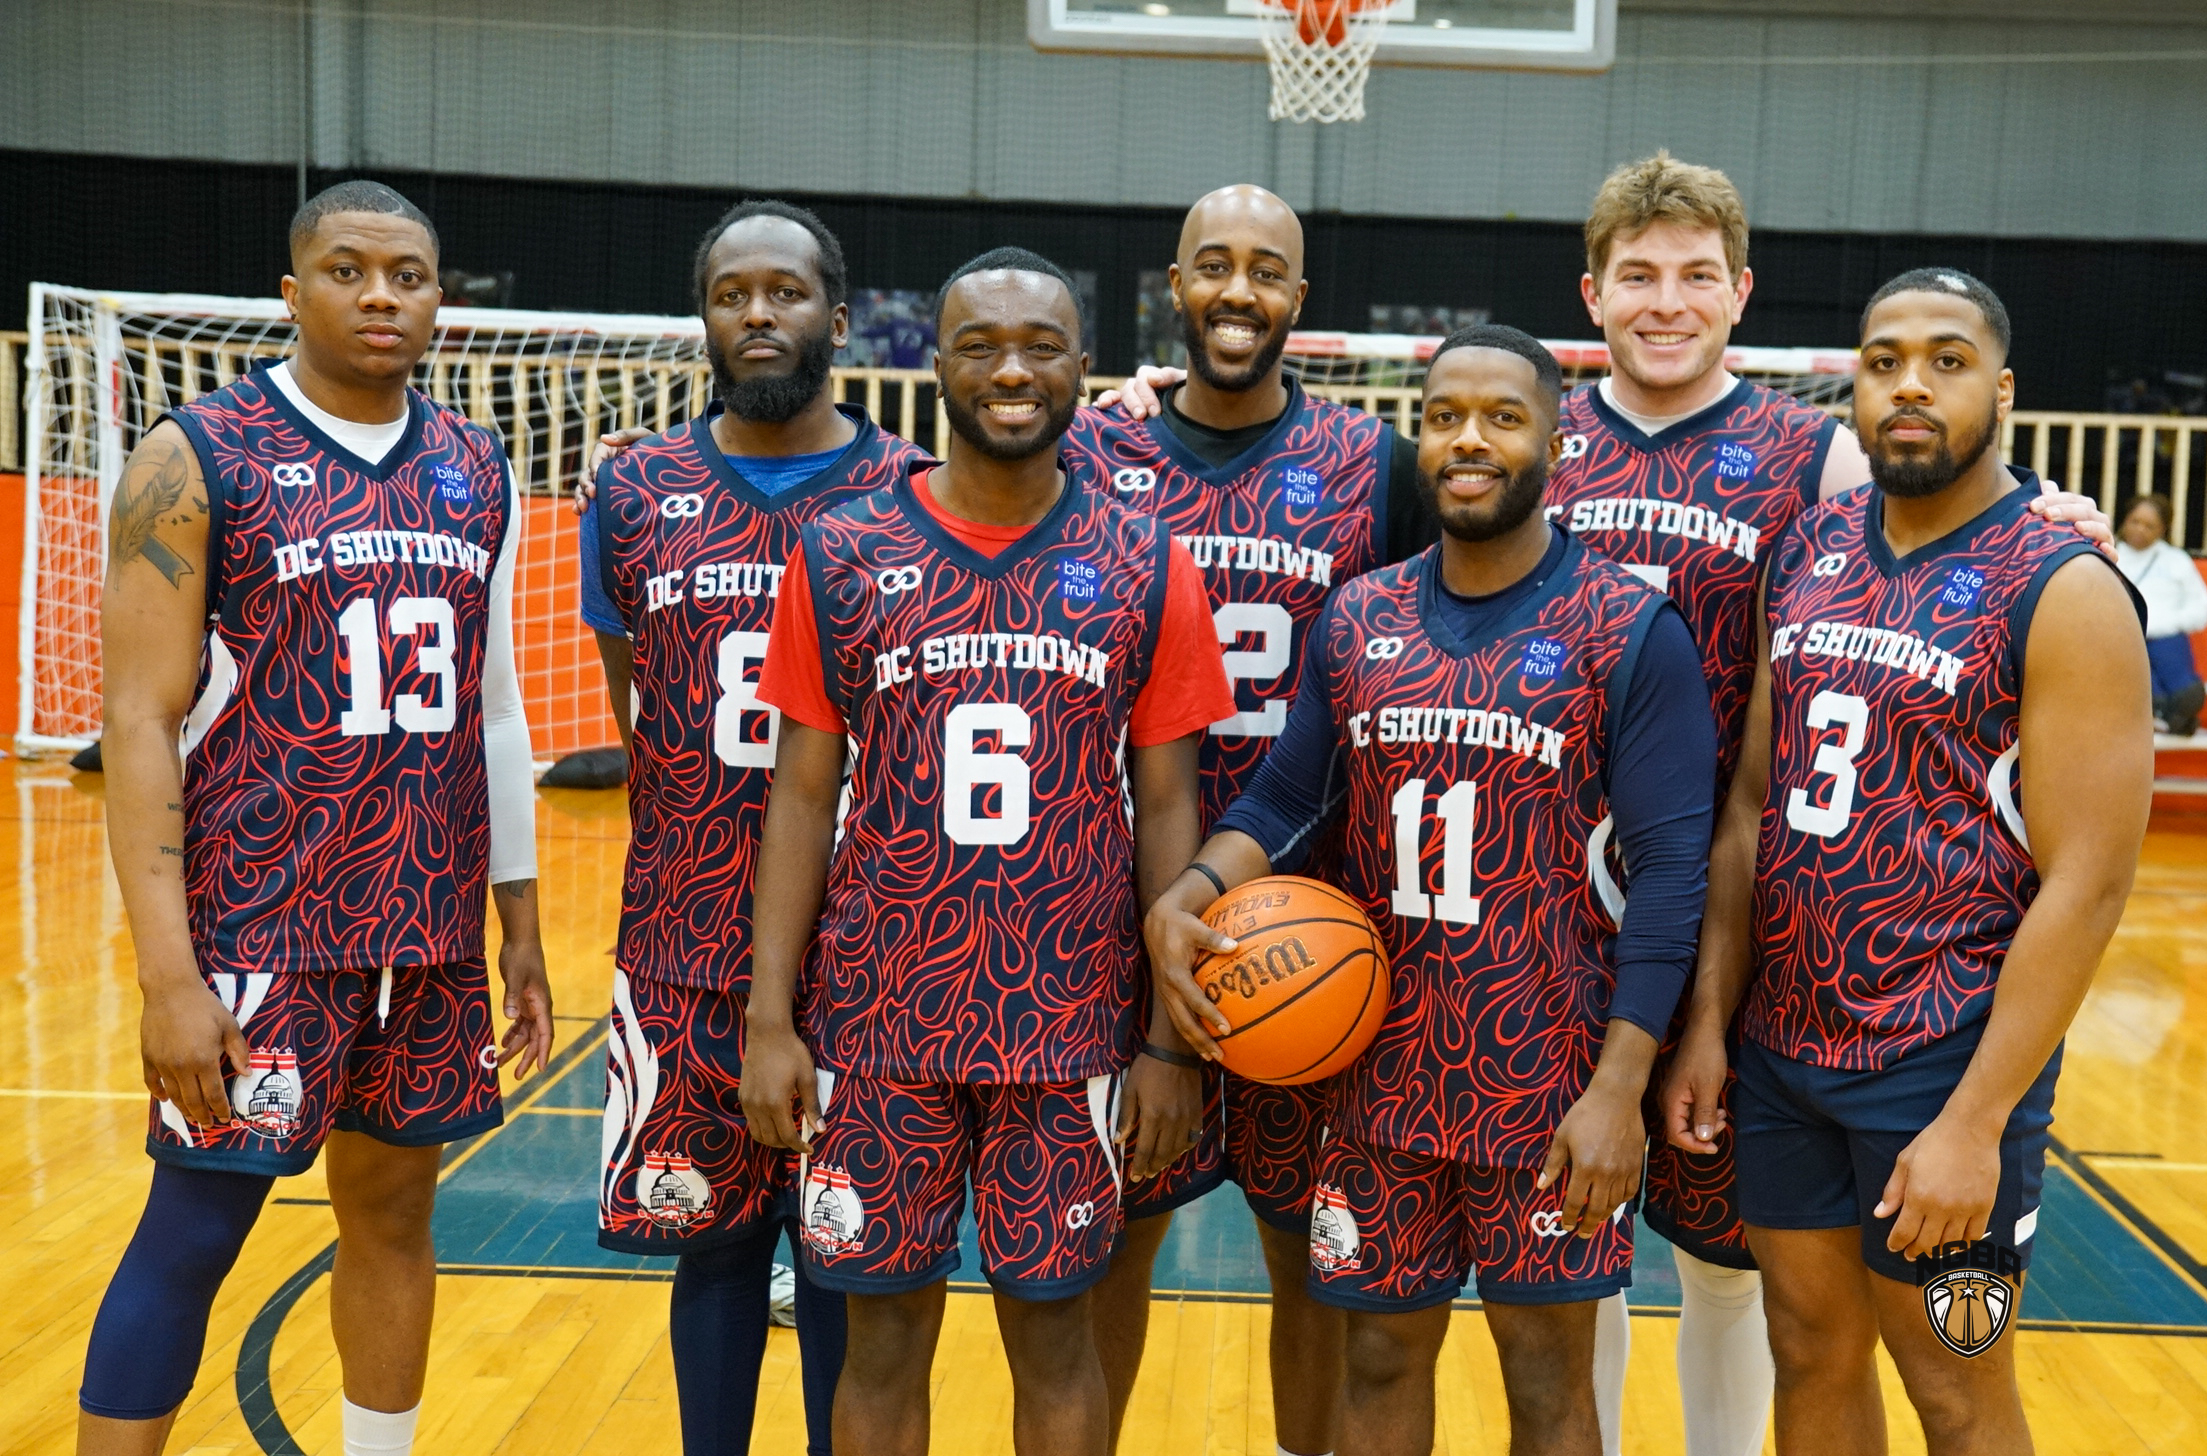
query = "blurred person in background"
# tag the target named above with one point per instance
(2176, 607)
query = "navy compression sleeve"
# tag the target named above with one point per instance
(1662, 792)
(597, 604)
(1300, 785)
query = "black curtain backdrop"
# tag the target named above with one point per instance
(2085, 312)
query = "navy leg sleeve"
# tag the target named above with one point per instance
(152, 1324)
(820, 1332)
(717, 1320)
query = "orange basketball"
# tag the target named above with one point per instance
(1306, 989)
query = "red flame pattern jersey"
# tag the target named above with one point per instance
(980, 921)
(694, 555)
(1273, 532)
(336, 801)
(1893, 868)
(1694, 511)
(1475, 794)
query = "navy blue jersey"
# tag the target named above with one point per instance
(1274, 532)
(336, 801)
(980, 922)
(1893, 868)
(1693, 512)
(1476, 800)
(692, 555)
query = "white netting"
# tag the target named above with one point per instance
(104, 366)
(1320, 52)
(1349, 365)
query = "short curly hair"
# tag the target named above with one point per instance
(1663, 189)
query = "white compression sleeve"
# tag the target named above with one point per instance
(506, 753)
(1612, 1353)
(1725, 1375)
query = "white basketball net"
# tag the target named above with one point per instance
(1320, 52)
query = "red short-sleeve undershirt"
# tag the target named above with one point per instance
(1187, 688)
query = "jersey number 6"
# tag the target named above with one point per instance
(965, 770)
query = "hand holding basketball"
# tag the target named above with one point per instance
(1177, 938)
(1304, 985)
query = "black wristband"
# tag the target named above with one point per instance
(1170, 1058)
(1209, 874)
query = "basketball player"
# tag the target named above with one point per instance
(1937, 663)
(311, 578)
(682, 555)
(1280, 497)
(983, 637)
(1534, 694)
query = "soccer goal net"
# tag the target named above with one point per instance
(103, 367)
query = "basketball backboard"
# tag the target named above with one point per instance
(1566, 35)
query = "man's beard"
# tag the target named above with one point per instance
(1520, 498)
(1205, 368)
(1927, 475)
(776, 398)
(966, 422)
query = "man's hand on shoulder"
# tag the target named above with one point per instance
(608, 446)
(1139, 397)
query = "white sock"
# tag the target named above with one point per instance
(1725, 1375)
(379, 1433)
(1612, 1352)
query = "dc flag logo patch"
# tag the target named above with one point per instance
(451, 483)
(1334, 1238)
(833, 1216)
(1543, 658)
(1735, 462)
(670, 1191)
(1301, 486)
(1077, 581)
(1962, 587)
(266, 1098)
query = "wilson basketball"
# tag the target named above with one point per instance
(1306, 989)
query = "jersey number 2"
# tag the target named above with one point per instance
(1458, 811)
(365, 716)
(1270, 621)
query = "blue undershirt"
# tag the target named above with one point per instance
(771, 475)
(1661, 781)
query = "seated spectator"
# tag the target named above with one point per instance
(2176, 607)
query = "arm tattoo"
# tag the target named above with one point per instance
(514, 889)
(150, 488)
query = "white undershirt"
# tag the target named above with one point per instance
(370, 442)
(508, 760)
(1657, 424)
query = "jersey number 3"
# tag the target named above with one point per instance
(1830, 710)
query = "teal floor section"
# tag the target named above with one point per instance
(525, 1200)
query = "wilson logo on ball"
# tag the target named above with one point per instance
(1305, 987)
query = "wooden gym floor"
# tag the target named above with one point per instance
(547, 1345)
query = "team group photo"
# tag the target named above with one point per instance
(1246, 726)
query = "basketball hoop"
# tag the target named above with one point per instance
(1320, 52)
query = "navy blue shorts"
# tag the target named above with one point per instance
(1816, 1144)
